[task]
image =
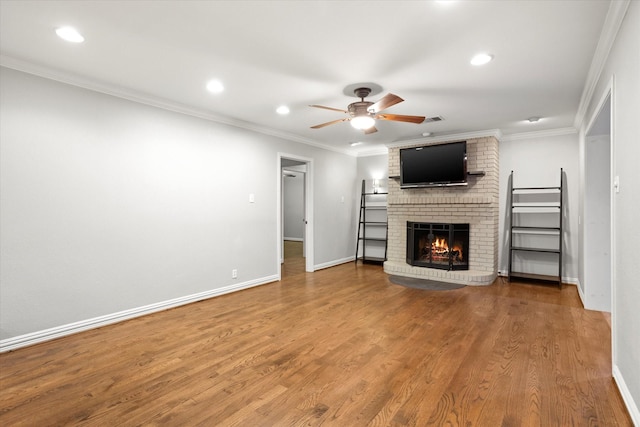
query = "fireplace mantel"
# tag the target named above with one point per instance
(475, 204)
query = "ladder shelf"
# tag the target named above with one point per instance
(371, 243)
(536, 227)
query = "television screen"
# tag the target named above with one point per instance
(434, 165)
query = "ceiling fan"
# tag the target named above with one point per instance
(363, 114)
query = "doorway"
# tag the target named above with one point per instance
(598, 196)
(295, 215)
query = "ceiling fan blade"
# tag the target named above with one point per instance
(387, 101)
(329, 108)
(400, 118)
(372, 129)
(329, 123)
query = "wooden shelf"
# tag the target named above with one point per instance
(531, 249)
(372, 260)
(532, 276)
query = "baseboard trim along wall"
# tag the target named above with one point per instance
(632, 407)
(334, 263)
(96, 322)
(566, 280)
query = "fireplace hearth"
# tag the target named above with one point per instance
(438, 245)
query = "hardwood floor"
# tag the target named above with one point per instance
(339, 347)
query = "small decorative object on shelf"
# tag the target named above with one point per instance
(371, 244)
(536, 227)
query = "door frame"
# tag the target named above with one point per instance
(308, 211)
(607, 96)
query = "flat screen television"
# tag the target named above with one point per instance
(434, 165)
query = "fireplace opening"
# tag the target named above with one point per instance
(436, 245)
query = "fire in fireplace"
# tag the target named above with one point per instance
(436, 245)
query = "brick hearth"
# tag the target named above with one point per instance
(475, 204)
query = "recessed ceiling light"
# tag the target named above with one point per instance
(70, 34)
(533, 119)
(283, 109)
(355, 144)
(426, 133)
(481, 59)
(215, 86)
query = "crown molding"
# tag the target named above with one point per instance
(165, 104)
(496, 133)
(612, 24)
(540, 134)
(376, 151)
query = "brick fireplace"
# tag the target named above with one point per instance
(475, 204)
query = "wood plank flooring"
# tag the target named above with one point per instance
(339, 347)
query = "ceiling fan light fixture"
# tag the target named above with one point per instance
(362, 122)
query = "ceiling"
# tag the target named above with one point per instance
(296, 53)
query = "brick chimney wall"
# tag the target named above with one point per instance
(475, 204)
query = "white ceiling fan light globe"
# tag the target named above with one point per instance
(362, 122)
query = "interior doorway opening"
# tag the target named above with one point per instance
(295, 214)
(598, 230)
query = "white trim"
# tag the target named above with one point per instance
(612, 24)
(612, 214)
(335, 262)
(565, 280)
(627, 397)
(580, 293)
(308, 211)
(165, 104)
(378, 151)
(97, 322)
(540, 134)
(496, 133)
(293, 239)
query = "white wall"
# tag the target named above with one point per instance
(373, 167)
(536, 159)
(107, 205)
(623, 69)
(293, 205)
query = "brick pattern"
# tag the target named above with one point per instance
(475, 204)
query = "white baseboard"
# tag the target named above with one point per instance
(96, 322)
(565, 279)
(293, 239)
(632, 407)
(334, 263)
(580, 294)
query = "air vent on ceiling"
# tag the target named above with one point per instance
(434, 119)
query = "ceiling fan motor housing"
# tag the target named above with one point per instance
(360, 108)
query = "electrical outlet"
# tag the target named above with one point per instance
(234, 274)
